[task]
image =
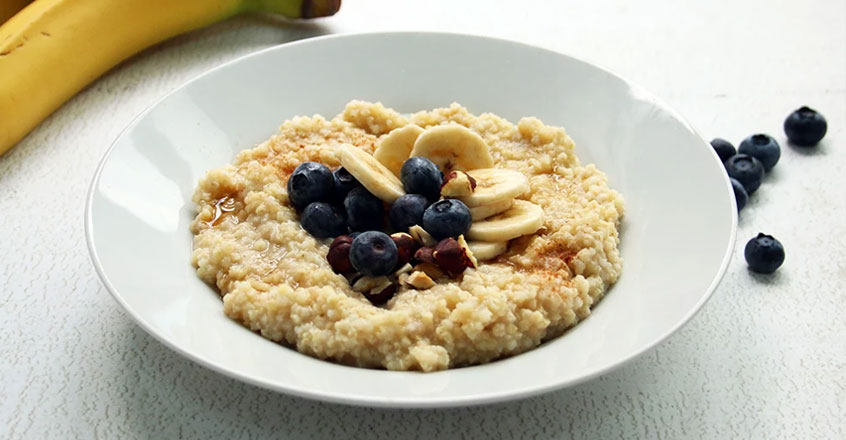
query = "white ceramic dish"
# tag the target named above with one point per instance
(676, 237)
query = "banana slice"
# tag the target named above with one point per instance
(522, 218)
(494, 185)
(395, 148)
(380, 181)
(485, 211)
(486, 250)
(453, 147)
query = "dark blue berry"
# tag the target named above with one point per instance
(761, 147)
(421, 176)
(805, 127)
(723, 148)
(364, 210)
(447, 218)
(373, 253)
(321, 220)
(407, 211)
(310, 182)
(344, 183)
(764, 254)
(740, 195)
(747, 170)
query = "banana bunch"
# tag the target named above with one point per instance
(53, 48)
(470, 176)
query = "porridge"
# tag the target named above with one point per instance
(515, 243)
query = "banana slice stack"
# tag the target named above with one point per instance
(497, 212)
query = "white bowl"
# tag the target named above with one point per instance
(677, 233)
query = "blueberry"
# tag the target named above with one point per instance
(761, 147)
(447, 218)
(723, 148)
(421, 176)
(764, 254)
(805, 127)
(344, 183)
(373, 253)
(353, 235)
(321, 220)
(310, 182)
(407, 211)
(747, 170)
(364, 210)
(740, 195)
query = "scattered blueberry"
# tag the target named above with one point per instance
(344, 183)
(365, 211)
(447, 218)
(762, 147)
(421, 176)
(764, 254)
(353, 235)
(310, 182)
(407, 211)
(747, 170)
(739, 193)
(723, 148)
(805, 127)
(321, 220)
(373, 253)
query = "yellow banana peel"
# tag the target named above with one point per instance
(53, 48)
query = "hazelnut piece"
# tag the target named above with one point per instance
(378, 290)
(339, 254)
(419, 280)
(406, 246)
(422, 236)
(458, 184)
(425, 255)
(452, 257)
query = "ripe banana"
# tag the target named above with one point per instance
(395, 148)
(52, 48)
(485, 211)
(8, 8)
(486, 250)
(494, 185)
(453, 147)
(379, 180)
(522, 218)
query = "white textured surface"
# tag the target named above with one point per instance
(766, 357)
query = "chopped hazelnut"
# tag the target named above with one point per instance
(422, 236)
(425, 255)
(458, 184)
(419, 280)
(404, 269)
(376, 289)
(452, 257)
(339, 254)
(430, 269)
(406, 246)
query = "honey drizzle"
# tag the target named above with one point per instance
(223, 205)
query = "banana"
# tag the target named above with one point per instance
(8, 8)
(485, 211)
(522, 218)
(453, 147)
(395, 148)
(53, 48)
(494, 185)
(486, 250)
(380, 181)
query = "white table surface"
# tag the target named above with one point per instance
(765, 358)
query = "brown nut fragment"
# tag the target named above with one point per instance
(406, 268)
(419, 280)
(431, 269)
(378, 290)
(452, 257)
(406, 246)
(425, 255)
(458, 184)
(339, 254)
(422, 236)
